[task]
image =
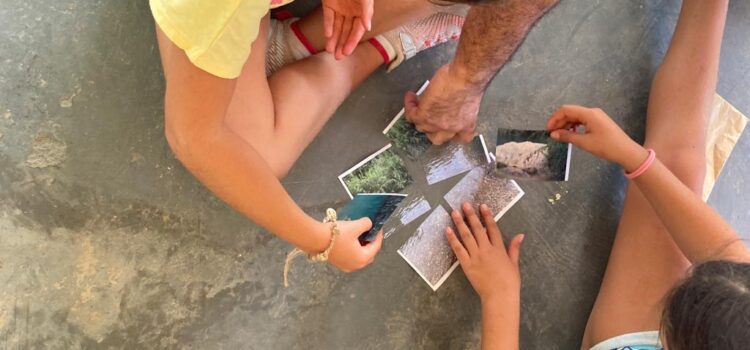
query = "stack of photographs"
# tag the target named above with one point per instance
(378, 186)
(410, 209)
(378, 207)
(439, 162)
(531, 155)
(482, 186)
(409, 141)
(446, 161)
(381, 172)
(428, 252)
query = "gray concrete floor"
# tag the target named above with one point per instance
(106, 241)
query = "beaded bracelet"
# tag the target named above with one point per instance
(319, 257)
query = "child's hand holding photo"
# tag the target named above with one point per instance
(602, 136)
(492, 271)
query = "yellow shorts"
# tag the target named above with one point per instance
(216, 35)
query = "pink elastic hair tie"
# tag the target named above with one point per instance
(646, 164)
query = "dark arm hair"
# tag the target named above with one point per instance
(491, 34)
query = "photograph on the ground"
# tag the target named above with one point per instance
(406, 139)
(428, 252)
(410, 209)
(382, 172)
(531, 155)
(376, 206)
(482, 186)
(451, 159)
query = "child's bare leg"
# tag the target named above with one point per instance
(280, 116)
(645, 263)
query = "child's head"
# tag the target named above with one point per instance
(710, 309)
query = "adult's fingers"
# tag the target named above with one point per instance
(440, 137)
(356, 34)
(480, 234)
(463, 230)
(458, 248)
(346, 30)
(514, 248)
(411, 105)
(328, 19)
(464, 136)
(493, 232)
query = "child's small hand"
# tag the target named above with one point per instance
(492, 271)
(602, 137)
(348, 254)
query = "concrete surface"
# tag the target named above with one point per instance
(107, 242)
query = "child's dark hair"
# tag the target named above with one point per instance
(710, 309)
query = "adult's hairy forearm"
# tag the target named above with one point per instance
(236, 173)
(491, 34)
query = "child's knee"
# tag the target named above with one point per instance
(688, 165)
(279, 163)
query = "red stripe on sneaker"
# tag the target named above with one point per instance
(298, 33)
(282, 15)
(378, 46)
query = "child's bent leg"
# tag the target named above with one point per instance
(645, 263)
(280, 116)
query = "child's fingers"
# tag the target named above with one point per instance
(569, 114)
(346, 30)
(493, 232)
(338, 22)
(328, 19)
(458, 248)
(463, 230)
(367, 12)
(371, 249)
(514, 248)
(362, 225)
(567, 136)
(358, 31)
(476, 226)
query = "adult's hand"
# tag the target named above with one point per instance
(345, 23)
(447, 110)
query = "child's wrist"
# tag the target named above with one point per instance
(500, 300)
(634, 157)
(319, 238)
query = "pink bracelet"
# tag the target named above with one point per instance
(642, 169)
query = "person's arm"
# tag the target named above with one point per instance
(695, 227)
(491, 34)
(195, 105)
(699, 232)
(492, 271)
